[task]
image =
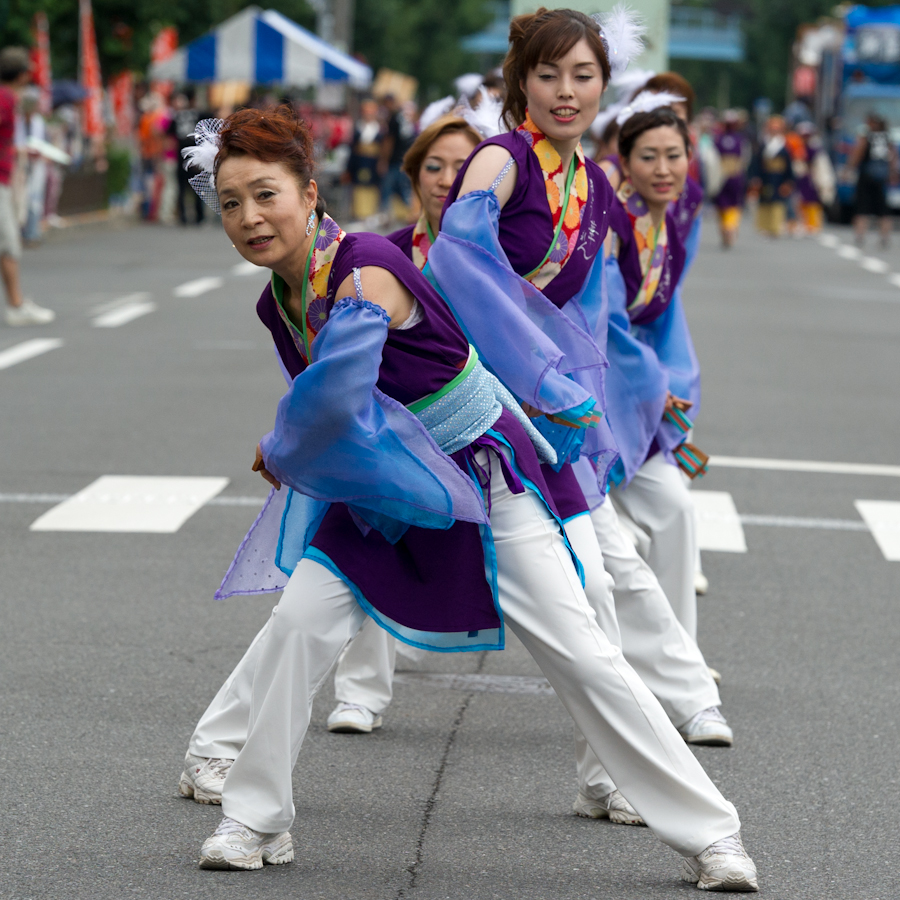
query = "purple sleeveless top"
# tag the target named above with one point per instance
(526, 230)
(630, 265)
(431, 579)
(403, 237)
(526, 224)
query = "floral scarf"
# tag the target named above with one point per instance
(317, 307)
(652, 244)
(422, 240)
(555, 183)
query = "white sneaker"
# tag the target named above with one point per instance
(202, 778)
(708, 728)
(613, 807)
(701, 583)
(351, 718)
(29, 313)
(722, 866)
(236, 846)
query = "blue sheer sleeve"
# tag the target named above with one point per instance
(546, 357)
(337, 438)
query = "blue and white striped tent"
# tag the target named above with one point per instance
(262, 47)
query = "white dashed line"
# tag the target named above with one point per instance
(122, 311)
(27, 350)
(804, 465)
(846, 251)
(882, 517)
(718, 522)
(829, 240)
(802, 522)
(875, 265)
(246, 268)
(198, 286)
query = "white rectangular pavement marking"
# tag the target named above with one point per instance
(873, 264)
(27, 350)
(131, 504)
(804, 465)
(846, 251)
(883, 519)
(718, 523)
(803, 522)
(198, 286)
(246, 268)
(125, 312)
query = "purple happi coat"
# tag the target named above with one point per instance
(732, 147)
(525, 232)
(431, 580)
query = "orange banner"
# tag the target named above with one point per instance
(164, 45)
(90, 72)
(121, 96)
(40, 62)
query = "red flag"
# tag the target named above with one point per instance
(164, 45)
(90, 72)
(40, 62)
(121, 95)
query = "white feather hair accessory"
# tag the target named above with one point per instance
(604, 117)
(435, 111)
(647, 101)
(622, 30)
(468, 84)
(630, 82)
(486, 117)
(203, 157)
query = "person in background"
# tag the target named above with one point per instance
(35, 168)
(398, 137)
(772, 178)
(875, 158)
(151, 134)
(734, 155)
(15, 68)
(362, 167)
(814, 176)
(185, 116)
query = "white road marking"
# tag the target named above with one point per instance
(58, 498)
(198, 286)
(894, 279)
(829, 240)
(873, 264)
(246, 268)
(718, 522)
(846, 251)
(131, 504)
(801, 465)
(27, 350)
(883, 519)
(123, 311)
(801, 522)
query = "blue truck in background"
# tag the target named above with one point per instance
(855, 64)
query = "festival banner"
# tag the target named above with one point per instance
(164, 45)
(89, 72)
(40, 62)
(121, 96)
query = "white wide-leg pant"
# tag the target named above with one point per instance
(365, 669)
(667, 660)
(544, 604)
(659, 503)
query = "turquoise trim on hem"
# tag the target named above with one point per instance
(587, 512)
(440, 642)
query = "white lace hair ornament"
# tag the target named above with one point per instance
(203, 157)
(647, 101)
(486, 117)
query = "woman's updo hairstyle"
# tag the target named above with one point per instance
(271, 135)
(544, 37)
(417, 153)
(663, 116)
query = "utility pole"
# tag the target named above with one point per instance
(343, 24)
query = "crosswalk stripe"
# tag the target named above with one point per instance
(803, 522)
(804, 465)
(131, 504)
(123, 314)
(718, 523)
(883, 519)
(245, 267)
(198, 286)
(27, 350)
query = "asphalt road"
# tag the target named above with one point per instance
(111, 644)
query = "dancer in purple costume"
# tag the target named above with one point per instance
(400, 448)
(734, 152)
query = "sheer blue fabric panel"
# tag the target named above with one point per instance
(519, 334)
(636, 383)
(337, 438)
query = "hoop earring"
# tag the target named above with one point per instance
(310, 222)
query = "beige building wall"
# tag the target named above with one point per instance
(656, 18)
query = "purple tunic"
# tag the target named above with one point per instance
(403, 238)
(685, 210)
(430, 580)
(731, 144)
(526, 230)
(630, 265)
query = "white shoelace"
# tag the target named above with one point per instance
(346, 706)
(230, 826)
(731, 846)
(219, 766)
(710, 714)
